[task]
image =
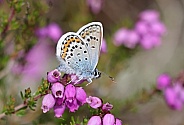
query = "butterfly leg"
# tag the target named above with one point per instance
(89, 81)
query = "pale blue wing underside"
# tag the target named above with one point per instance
(92, 34)
(73, 54)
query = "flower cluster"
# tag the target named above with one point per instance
(62, 95)
(173, 90)
(105, 117)
(147, 32)
(52, 31)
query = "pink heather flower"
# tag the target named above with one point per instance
(53, 76)
(157, 28)
(81, 95)
(128, 38)
(95, 120)
(57, 90)
(48, 102)
(118, 122)
(104, 46)
(72, 105)
(108, 119)
(120, 36)
(59, 101)
(172, 97)
(141, 27)
(71, 101)
(150, 41)
(163, 81)
(107, 107)
(94, 102)
(42, 32)
(149, 16)
(132, 39)
(33, 67)
(54, 31)
(95, 5)
(70, 92)
(59, 110)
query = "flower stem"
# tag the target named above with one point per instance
(22, 106)
(9, 20)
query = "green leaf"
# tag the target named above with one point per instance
(21, 112)
(21, 94)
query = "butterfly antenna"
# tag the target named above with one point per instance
(110, 77)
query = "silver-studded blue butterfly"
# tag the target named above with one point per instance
(79, 52)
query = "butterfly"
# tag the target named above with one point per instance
(79, 52)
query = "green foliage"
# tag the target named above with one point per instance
(77, 121)
(21, 112)
(9, 108)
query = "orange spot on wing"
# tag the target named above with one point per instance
(66, 45)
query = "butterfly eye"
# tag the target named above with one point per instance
(97, 74)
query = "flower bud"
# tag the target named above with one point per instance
(107, 107)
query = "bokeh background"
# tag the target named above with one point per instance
(27, 55)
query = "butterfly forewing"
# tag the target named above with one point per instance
(92, 34)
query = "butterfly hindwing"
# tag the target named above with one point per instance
(92, 34)
(72, 52)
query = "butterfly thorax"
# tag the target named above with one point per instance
(89, 75)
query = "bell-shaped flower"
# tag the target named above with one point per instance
(57, 90)
(72, 105)
(48, 102)
(118, 122)
(108, 119)
(94, 102)
(81, 95)
(53, 76)
(70, 92)
(59, 110)
(95, 120)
